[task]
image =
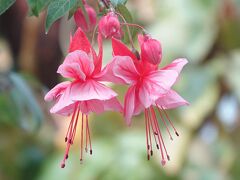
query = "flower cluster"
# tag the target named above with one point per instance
(150, 87)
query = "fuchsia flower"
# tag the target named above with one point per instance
(149, 87)
(109, 26)
(81, 21)
(85, 93)
(151, 50)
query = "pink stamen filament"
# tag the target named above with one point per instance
(165, 113)
(71, 132)
(146, 127)
(164, 122)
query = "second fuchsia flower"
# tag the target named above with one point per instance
(149, 87)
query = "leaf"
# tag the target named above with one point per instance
(36, 6)
(29, 112)
(5, 4)
(115, 3)
(57, 9)
(122, 9)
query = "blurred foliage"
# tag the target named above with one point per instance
(207, 33)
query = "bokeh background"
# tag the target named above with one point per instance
(206, 32)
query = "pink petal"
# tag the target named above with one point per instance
(161, 81)
(63, 102)
(125, 69)
(79, 42)
(107, 73)
(95, 106)
(98, 59)
(145, 95)
(89, 90)
(129, 104)
(119, 49)
(171, 100)
(176, 65)
(56, 91)
(77, 65)
(112, 105)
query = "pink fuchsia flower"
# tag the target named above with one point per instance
(149, 87)
(81, 20)
(109, 26)
(151, 49)
(85, 93)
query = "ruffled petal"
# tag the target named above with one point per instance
(89, 90)
(171, 100)
(95, 106)
(112, 105)
(145, 95)
(63, 102)
(55, 92)
(77, 65)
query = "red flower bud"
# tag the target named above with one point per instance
(151, 50)
(109, 26)
(81, 21)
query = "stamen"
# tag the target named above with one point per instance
(71, 123)
(154, 119)
(89, 136)
(146, 128)
(164, 122)
(160, 134)
(169, 121)
(81, 148)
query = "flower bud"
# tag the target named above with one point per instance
(109, 26)
(81, 21)
(151, 50)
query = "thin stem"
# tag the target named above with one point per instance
(128, 30)
(134, 25)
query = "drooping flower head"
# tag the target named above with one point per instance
(84, 93)
(81, 20)
(109, 26)
(149, 87)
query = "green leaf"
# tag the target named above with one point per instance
(122, 9)
(118, 2)
(74, 9)
(36, 6)
(29, 113)
(5, 4)
(57, 9)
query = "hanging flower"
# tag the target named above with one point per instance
(109, 26)
(149, 87)
(81, 20)
(85, 93)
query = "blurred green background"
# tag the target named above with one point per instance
(206, 32)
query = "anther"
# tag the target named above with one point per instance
(155, 133)
(66, 139)
(176, 133)
(168, 157)
(66, 156)
(91, 151)
(157, 146)
(148, 157)
(62, 165)
(151, 152)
